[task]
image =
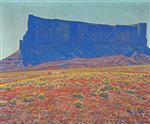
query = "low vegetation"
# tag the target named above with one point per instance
(111, 95)
(104, 94)
(13, 101)
(3, 103)
(131, 91)
(78, 95)
(28, 99)
(41, 96)
(78, 104)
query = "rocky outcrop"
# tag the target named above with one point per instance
(12, 62)
(52, 40)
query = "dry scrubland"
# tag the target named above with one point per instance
(112, 95)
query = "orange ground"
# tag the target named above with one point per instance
(116, 95)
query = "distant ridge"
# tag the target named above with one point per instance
(108, 61)
(12, 62)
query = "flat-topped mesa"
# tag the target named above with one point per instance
(53, 39)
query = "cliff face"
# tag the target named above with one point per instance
(51, 40)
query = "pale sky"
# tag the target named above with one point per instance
(14, 16)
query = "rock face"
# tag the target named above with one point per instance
(51, 39)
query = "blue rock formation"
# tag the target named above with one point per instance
(53, 39)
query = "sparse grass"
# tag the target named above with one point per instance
(3, 103)
(28, 99)
(78, 95)
(41, 96)
(104, 94)
(140, 110)
(13, 101)
(107, 87)
(5, 87)
(78, 104)
(116, 88)
(51, 86)
(131, 91)
(93, 93)
(105, 81)
(140, 97)
(129, 110)
(38, 85)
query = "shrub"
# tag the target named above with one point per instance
(105, 81)
(129, 110)
(107, 87)
(98, 91)
(139, 96)
(93, 93)
(65, 85)
(126, 83)
(41, 96)
(104, 94)
(78, 104)
(13, 101)
(3, 103)
(78, 95)
(116, 88)
(28, 99)
(5, 87)
(140, 110)
(130, 91)
(51, 86)
(39, 84)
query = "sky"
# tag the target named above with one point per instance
(14, 16)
